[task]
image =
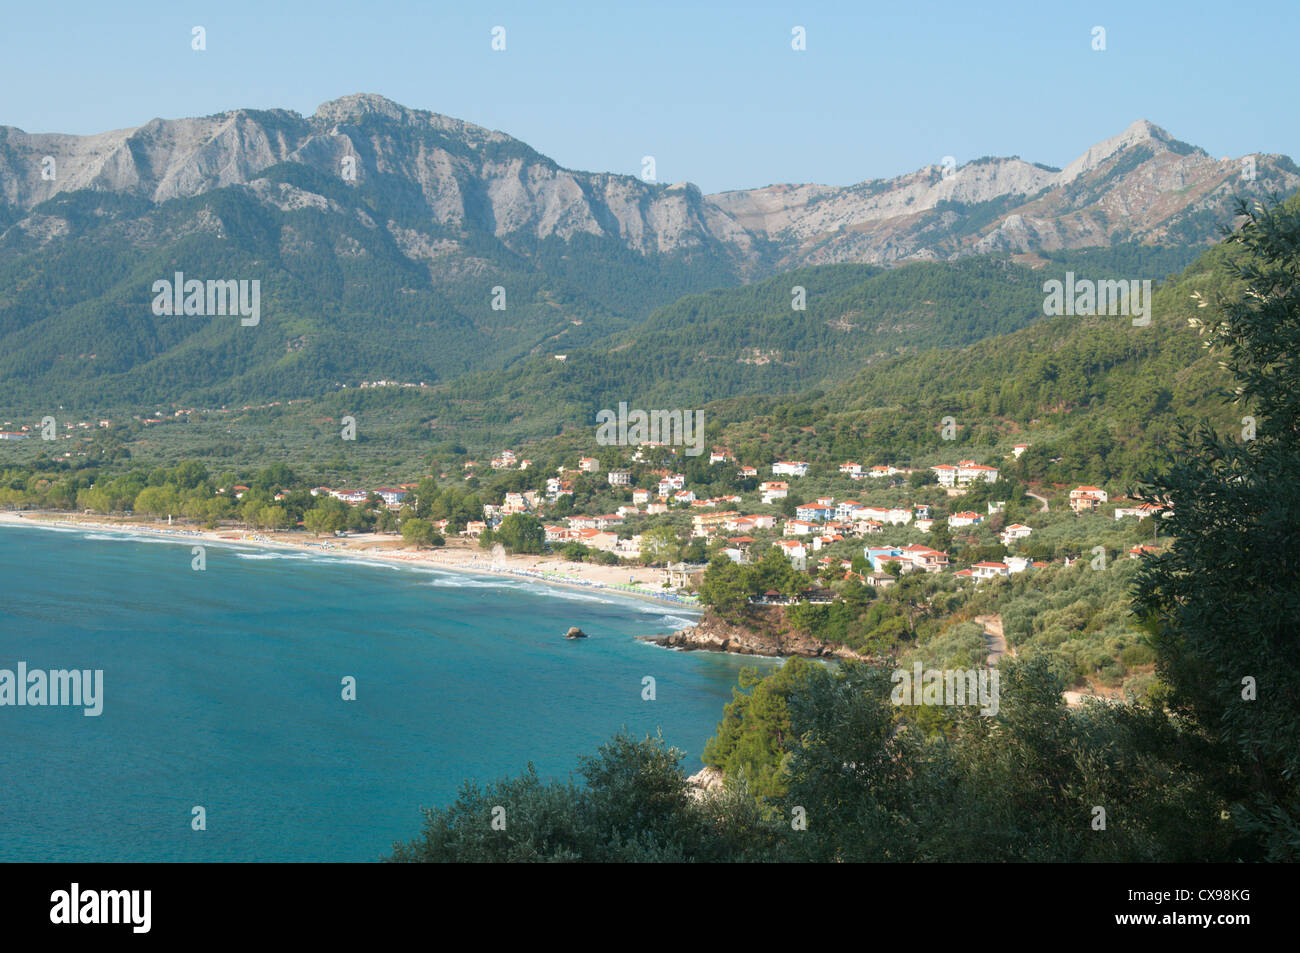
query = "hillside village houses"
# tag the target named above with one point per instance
(816, 525)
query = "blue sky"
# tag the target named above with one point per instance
(712, 90)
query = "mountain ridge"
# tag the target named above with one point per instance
(1139, 185)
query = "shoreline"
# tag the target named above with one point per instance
(458, 557)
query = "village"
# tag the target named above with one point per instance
(645, 513)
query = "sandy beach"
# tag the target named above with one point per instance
(459, 555)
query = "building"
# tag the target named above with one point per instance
(737, 549)
(681, 575)
(589, 465)
(990, 570)
(818, 512)
(619, 478)
(923, 558)
(795, 468)
(710, 524)
(1140, 510)
(774, 490)
(965, 519)
(1086, 499)
(964, 473)
(1014, 532)
(795, 551)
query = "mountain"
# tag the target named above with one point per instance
(1140, 186)
(459, 174)
(380, 236)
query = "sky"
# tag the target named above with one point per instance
(713, 91)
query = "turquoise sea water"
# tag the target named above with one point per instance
(223, 689)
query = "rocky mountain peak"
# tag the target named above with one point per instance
(356, 105)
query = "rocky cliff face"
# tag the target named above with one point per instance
(465, 175)
(1141, 185)
(764, 631)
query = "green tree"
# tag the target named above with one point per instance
(1223, 603)
(725, 587)
(521, 533)
(754, 736)
(660, 545)
(420, 533)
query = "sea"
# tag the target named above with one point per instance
(223, 698)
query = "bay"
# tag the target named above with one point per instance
(223, 689)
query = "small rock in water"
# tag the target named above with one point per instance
(575, 633)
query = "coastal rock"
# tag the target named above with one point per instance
(765, 631)
(707, 778)
(575, 633)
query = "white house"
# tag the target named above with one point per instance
(923, 558)
(964, 519)
(794, 550)
(964, 473)
(1014, 532)
(1141, 510)
(795, 468)
(619, 478)
(982, 571)
(775, 490)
